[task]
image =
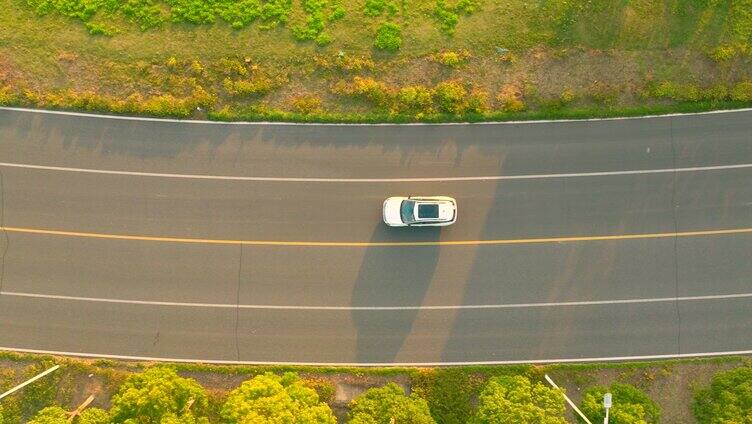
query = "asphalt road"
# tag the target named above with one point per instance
(577, 240)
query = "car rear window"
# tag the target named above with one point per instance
(428, 211)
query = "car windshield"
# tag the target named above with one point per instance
(407, 211)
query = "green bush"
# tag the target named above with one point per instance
(378, 7)
(742, 92)
(159, 395)
(716, 93)
(448, 392)
(674, 91)
(514, 399)
(723, 53)
(388, 37)
(269, 398)
(306, 104)
(57, 415)
(415, 99)
(448, 16)
(728, 400)
(630, 405)
(93, 416)
(451, 97)
(451, 58)
(388, 405)
(50, 415)
(42, 392)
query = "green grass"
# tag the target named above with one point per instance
(290, 60)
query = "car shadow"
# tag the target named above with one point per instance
(391, 277)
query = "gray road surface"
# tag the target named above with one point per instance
(521, 301)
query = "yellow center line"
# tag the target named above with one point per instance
(375, 244)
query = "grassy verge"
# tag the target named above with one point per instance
(450, 392)
(377, 60)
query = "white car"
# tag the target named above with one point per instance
(420, 211)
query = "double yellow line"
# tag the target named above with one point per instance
(374, 244)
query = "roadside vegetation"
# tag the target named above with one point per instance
(700, 391)
(376, 60)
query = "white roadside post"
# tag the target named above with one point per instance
(569, 401)
(607, 405)
(29, 381)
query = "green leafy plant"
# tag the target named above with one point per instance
(742, 92)
(388, 37)
(451, 97)
(378, 7)
(448, 392)
(515, 399)
(728, 400)
(57, 415)
(159, 395)
(630, 405)
(449, 15)
(388, 404)
(269, 398)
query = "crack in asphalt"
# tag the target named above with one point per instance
(674, 210)
(5, 233)
(237, 305)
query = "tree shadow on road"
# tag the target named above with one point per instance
(391, 276)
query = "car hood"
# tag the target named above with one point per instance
(392, 211)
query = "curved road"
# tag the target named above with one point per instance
(263, 243)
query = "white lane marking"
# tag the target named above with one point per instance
(380, 308)
(375, 180)
(332, 124)
(382, 364)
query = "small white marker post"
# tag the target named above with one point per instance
(569, 401)
(29, 381)
(607, 405)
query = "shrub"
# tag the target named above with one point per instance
(567, 96)
(451, 59)
(415, 99)
(50, 415)
(477, 101)
(57, 415)
(323, 388)
(388, 404)
(93, 416)
(450, 96)
(514, 399)
(376, 91)
(354, 64)
(448, 16)
(388, 37)
(630, 405)
(510, 98)
(378, 7)
(742, 92)
(448, 392)
(271, 398)
(259, 84)
(678, 92)
(306, 104)
(42, 392)
(8, 97)
(157, 395)
(723, 53)
(232, 67)
(715, 93)
(728, 400)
